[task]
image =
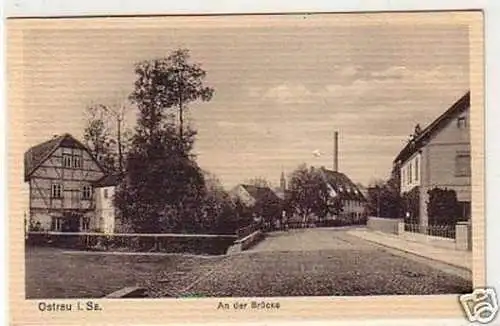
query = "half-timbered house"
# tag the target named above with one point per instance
(60, 173)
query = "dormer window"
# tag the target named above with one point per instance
(462, 122)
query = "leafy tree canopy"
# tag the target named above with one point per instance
(164, 189)
(310, 195)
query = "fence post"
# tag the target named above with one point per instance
(462, 236)
(401, 227)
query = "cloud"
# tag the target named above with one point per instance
(393, 72)
(240, 126)
(397, 84)
(289, 93)
(350, 70)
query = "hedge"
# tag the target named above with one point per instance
(171, 243)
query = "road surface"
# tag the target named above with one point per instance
(304, 262)
(320, 262)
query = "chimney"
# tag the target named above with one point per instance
(336, 151)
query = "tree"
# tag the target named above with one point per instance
(107, 137)
(268, 206)
(219, 212)
(164, 185)
(171, 82)
(383, 199)
(310, 195)
(97, 137)
(122, 137)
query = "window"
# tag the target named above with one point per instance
(66, 160)
(410, 174)
(56, 224)
(462, 122)
(77, 162)
(465, 211)
(416, 169)
(462, 164)
(74, 161)
(85, 224)
(56, 190)
(87, 192)
(105, 193)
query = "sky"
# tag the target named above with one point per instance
(280, 93)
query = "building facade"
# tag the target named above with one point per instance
(60, 174)
(439, 157)
(104, 191)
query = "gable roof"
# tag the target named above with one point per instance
(261, 193)
(36, 155)
(108, 181)
(342, 185)
(416, 144)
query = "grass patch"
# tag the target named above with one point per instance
(51, 273)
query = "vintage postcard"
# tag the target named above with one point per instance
(247, 167)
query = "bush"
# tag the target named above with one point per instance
(411, 204)
(443, 207)
(211, 245)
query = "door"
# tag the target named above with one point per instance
(71, 222)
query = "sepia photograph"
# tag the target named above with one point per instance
(262, 157)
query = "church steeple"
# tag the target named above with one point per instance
(282, 181)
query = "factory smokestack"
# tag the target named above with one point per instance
(336, 151)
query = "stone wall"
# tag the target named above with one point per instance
(386, 225)
(246, 242)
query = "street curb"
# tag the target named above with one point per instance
(133, 292)
(465, 269)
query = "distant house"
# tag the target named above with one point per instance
(60, 173)
(264, 200)
(439, 156)
(340, 187)
(105, 210)
(352, 199)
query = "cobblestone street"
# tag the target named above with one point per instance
(304, 262)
